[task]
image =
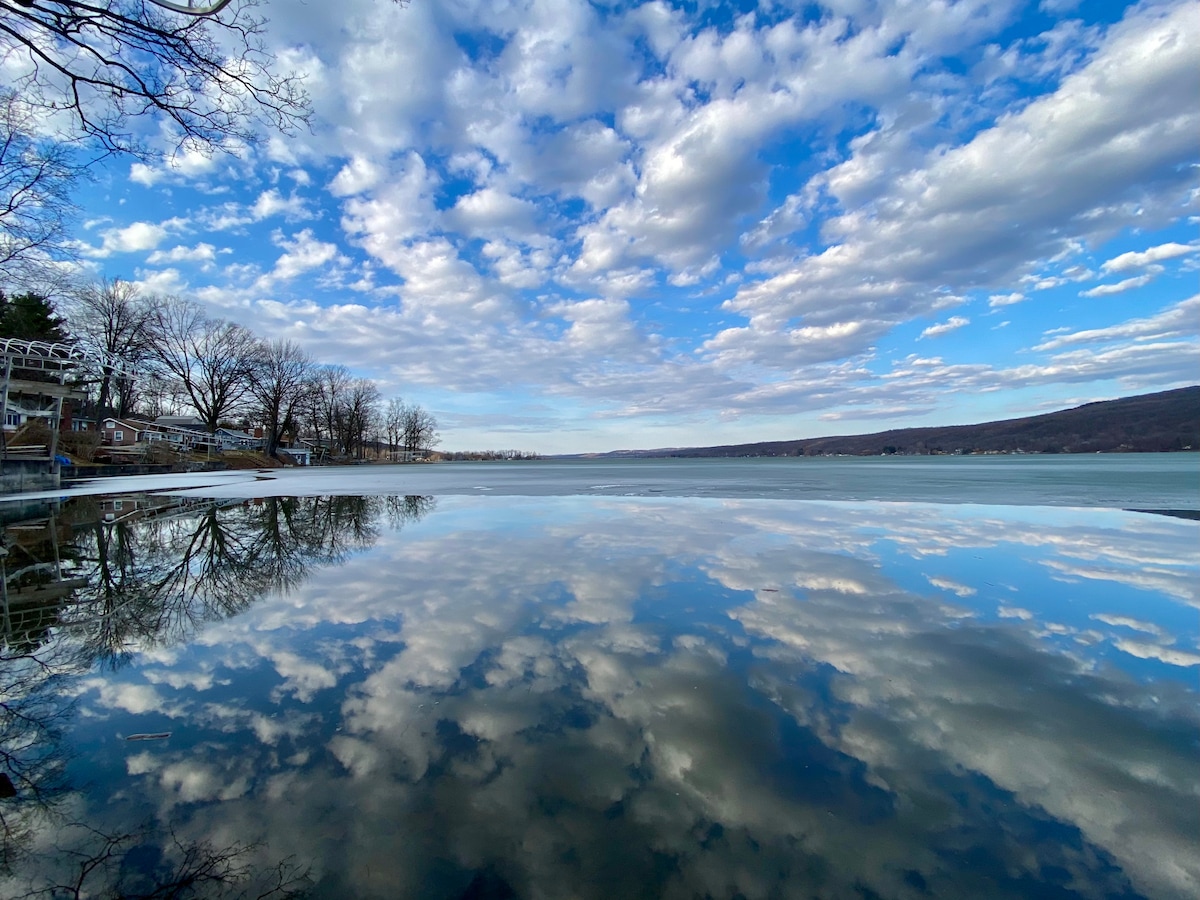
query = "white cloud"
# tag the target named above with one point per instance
(490, 212)
(1177, 320)
(1058, 7)
(272, 203)
(303, 253)
(1109, 147)
(1171, 657)
(160, 281)
(202, 253)
(399, 210)
(598, 325)
(1105, 290)
(187, 164)
(133, 238)
(1137, 260)
(952, 324)
(954, 587)
(267, 204)
(1130, 622)
(145, 175)
(358, 175)
(763, 202)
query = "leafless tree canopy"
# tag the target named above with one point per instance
(35, 201)
(213, 360)
(281, 385)
(96, 67)
(419, 429)
(111, 318)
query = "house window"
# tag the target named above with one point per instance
(118, 504)
(12, 418)
(110, 424)
(118, 435)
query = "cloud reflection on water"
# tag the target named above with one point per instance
(672, 698)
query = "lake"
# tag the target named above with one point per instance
(951, 677)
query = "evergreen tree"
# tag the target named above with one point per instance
(30, 317)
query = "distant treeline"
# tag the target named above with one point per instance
(477, 455)
(178, 360)
(1150, 423)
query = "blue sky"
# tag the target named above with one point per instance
(567, 226)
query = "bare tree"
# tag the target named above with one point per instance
(282, 383)
(214, 361)
(36, 176)
(420, 430)
(111, 319)
(101, 66)
(393, 423)
(359, 416)
(323, 406)
(159, 397)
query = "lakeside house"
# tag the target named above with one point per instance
(180, 433)
(232, 439)
(124, 432)
(20, 411)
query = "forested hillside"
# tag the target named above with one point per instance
(1166, 421)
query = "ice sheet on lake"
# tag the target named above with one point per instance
(1139, 481)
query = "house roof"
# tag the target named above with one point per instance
(239, 435)
(189, 422)
(130, 422)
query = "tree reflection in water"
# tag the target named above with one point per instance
(83, 587)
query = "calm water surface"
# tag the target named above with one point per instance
(599, 696)
(1137, 480)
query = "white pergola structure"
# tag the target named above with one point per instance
(35, 382)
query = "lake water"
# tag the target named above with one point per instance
(609, 679)
(1143, 480)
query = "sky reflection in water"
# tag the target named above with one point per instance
(542, 697)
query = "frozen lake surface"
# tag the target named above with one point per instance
(583, 679)
(1153, 481)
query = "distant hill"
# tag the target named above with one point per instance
(1150, 423)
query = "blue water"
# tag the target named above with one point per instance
(1147, 480)
(603, 695)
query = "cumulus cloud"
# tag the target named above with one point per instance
(138, 237)
(1176, 321)
(272, 203)
(491, 212)
(1168, 655)
(202, 253)
(997, 300)
(399, 210)
(1143, 258)
(356, 176)
(1120, 287)
(303, 252)
(966, 218)
(952, 324)
(185, 164)
(772, 196)
(954, 587)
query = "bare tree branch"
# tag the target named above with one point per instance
(213, 360)
(36, 177)
(111, 319)
(97, 67)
